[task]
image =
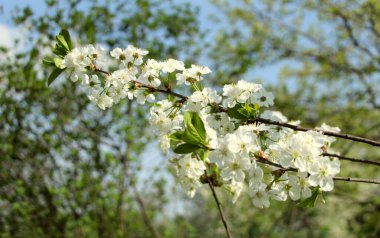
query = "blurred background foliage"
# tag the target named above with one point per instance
(68, 169)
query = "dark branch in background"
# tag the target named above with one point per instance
(144, 213)
(350, 32)
(293, 29)
(122, 187)
(364, 161)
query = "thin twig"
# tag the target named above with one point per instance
(364, 161)
(350, 31)
(359, 180)
(328, 133)
(219, 205)
(144, 213)
(154, 89)
(151, 88)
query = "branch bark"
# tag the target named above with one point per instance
(328, 133)
(219, 205)
(364, 161)
(348, 179)
(144, 213)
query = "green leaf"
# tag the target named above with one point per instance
(195, 131)
(67, 37)
(57, 62)
(310, 202)
(234, 112)
(56, 72)
(191, 136)
(186, 148)
(244, 111)
(176, 138)
(199, 126)
(59, 50)
(62, 42)
(48, 61)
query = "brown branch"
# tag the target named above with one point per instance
(219, 205)
(348, 179)
(364, 161)
(265, 161)
(144, 213)
(350, 32)
(120, 216)
(151, 88)
(165, 91)
(357, 180)
(328, 133)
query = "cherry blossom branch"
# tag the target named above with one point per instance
(328, 133)
(154, 89)
(151, 88)
(261, 120)
(348, 179)
(364, 161)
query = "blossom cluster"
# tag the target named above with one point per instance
(212, 137)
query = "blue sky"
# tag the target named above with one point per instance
(268, 74)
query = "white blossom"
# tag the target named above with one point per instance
(233, 145)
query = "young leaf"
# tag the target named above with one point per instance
(234, 112)
(67, 37)
(176, 138)
(186, 148)
(192, 136)
(310, 202)
(59, 50)
(62, 42)
(57, 62)
(195, 130)
(48, 61)
(199, 126)
(56, 72)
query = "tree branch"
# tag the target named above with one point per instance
(357, 180)
(364, 161)
(328, 133)
(348, 179)
(351, 35)
(144, 213)
(151, 88)
(219, 205)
